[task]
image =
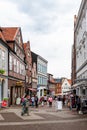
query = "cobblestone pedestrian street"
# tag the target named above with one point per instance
(42, 118)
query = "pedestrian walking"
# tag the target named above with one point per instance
(63, 100)
(33, 100)
(18, 101)
(25, 106)
(78, 104)
(50, 100)
(59, 103)
(36, 101)
(45, 100)
(56, 104)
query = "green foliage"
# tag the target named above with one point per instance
(2, 71)
(5, 99)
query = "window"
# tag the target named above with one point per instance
(30, 67)
(0, 58)
(38, 80)
(38, 67)
(18, 66)
(28, 53)
(84, 55)
(27, 78)
(10, 62)
(3, 59)
(19, 40)
(15, 48)
(0, 53)
(44, 81)
(15, 66)
(22, 69)
(83, 91)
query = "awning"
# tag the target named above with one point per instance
(41, 87)
(32, 89)
(58, 94)
(79, 84)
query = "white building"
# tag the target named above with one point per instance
(66, 86)
(4, 68)
(80, 38)
(41, 69)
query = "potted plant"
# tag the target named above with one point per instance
(2, 71)
(5, 99)
(5, 102)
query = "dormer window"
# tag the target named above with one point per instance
(15, 48)
(19, 40)
(28, 53)
(27, 66)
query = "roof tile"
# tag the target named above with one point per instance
(9, 33)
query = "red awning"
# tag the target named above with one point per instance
(32, 89)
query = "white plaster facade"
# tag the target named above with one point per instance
(4, 66)
(81, 47)
(66, 87)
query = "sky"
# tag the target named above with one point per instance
(48, 25)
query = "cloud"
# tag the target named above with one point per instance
(45, 16)
(48, 24)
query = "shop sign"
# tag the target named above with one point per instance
(45, 92)
(19, 83)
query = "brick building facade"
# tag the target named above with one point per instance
(16, 65)
(28, 60)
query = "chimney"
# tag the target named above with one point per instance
(75, 19)
(0, 29)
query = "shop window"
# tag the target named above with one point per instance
(83, 91)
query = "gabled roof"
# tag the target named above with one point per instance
(57, 80)
(27, 44)
(52, 81)
(69, 80)
(8, 33)
(1, 36)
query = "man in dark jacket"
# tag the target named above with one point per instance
(36, 101)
